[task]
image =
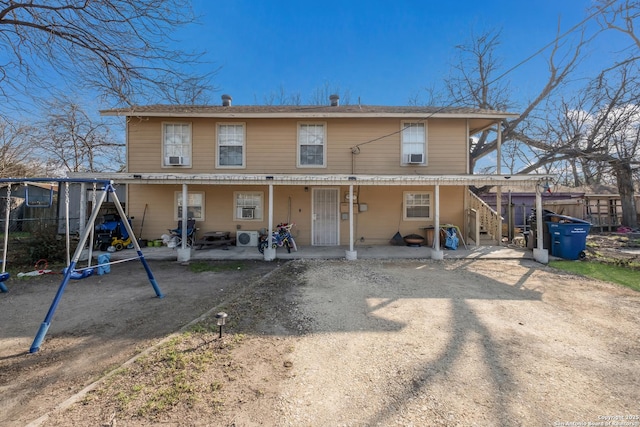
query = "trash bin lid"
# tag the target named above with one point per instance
(566, 218)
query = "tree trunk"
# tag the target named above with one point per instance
(624, 176)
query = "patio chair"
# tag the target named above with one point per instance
(176, 233)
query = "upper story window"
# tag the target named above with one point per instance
(176, 139)
(312, 144)
(414, 143)
(231, 145)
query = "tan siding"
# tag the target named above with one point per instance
(370, 157)
(374, 227)
(204, 146)
(447, 147)
(384, 215)
(159, 216)
(271, 147)
(144, 146)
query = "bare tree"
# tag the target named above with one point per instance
(619, 134)
(16, 155)
(319, 96)
(473, 78)
(118, 47)
(598, 134)
(281, 97)
(621, 16)
(72, 141)
(475, 82)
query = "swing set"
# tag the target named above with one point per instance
(70, 271)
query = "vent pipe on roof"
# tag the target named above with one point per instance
(335, 100)
(226, 100)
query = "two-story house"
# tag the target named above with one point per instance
(344, 174)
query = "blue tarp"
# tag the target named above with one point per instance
(451, 242)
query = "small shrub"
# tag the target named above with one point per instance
(47, 244)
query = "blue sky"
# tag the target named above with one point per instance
(381, 52)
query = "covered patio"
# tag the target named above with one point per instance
(353, 251)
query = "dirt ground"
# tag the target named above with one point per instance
(317, 343)
(614, 248)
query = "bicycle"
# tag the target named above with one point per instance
(281, 237)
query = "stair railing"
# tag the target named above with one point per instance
(488, 218)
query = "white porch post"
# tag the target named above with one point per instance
(539, 253)
(351, 254)
(436, 252)
(184, 252)
(499, 189)
(269, 252)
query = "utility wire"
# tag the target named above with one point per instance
(557, 39)
(356, 148)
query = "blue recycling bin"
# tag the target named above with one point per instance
(568, 237)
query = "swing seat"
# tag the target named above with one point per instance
(3, 278)
(77, 275)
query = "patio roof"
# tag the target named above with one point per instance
(289, 179)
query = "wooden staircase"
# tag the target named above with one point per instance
(482, 222)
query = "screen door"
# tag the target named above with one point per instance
(326, 217)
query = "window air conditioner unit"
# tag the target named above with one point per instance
(247, 213)
(176, 160)
(247, 238)
(415, 159)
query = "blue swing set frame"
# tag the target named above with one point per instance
(70, 271)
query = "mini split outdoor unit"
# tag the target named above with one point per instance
(247, 238)
(414, 159)
(176, 160)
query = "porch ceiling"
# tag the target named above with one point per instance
(266, 179)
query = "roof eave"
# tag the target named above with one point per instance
(308, 115)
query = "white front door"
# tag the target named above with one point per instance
(326, 217)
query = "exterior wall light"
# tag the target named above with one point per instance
(222, 318)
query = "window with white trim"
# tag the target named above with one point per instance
(231, 145)
(311, 144)
(176, 144)
(414, 143)
(417, 206)
(248, 205)
(195, 205)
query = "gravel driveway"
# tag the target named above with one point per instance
(489, 343)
